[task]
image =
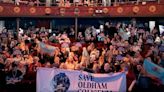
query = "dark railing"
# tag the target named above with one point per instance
(66, 3)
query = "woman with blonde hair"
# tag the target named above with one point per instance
(70, 63)
(85, 57)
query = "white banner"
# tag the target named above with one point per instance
(59, 80)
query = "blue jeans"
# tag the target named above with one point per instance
(144, 82)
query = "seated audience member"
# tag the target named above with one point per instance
(67, 4)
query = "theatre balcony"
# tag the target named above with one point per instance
(58, 9)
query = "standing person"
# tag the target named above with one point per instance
(17, 2)
(70, 65)
(48, 2)
(145, 81)
(76, 2)
(96, 68)
(61, 3)
(161, 63)
(2, 75)
(70, 62)
(87, 2)
(109, 2)
(106, 68)
(138, 1)
(104, 2)
(67, 4)
(71, 1)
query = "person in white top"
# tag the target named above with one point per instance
(104, 2)
(76, 2)
(17, 2)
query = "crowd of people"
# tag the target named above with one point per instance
(108, 49)
(68, 3)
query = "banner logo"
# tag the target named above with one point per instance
(60, 83)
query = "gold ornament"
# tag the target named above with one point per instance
(152, 8)
(48, 10)
(17, 9)
(32, 10)
(120, 9)
(105, 10)
(136, 9)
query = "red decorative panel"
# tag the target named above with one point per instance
(148, 10)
